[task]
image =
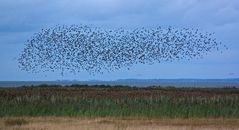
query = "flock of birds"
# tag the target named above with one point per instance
(80, 47)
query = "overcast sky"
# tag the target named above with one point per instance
(19, 19)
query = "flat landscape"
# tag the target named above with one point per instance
(119, 65)
(49, 107)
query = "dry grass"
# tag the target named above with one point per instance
(15, 122)
(111, 123)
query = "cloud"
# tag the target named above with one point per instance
(30, 16)
(21, 18)
(163, 12)
(212, 13)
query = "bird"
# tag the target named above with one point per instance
(74, 48)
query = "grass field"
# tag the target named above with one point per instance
(119, 101)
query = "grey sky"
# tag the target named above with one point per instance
(19, 19)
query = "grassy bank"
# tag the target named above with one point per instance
(119, 102)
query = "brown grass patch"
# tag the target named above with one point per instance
(15, 122)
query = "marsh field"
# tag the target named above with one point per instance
(48, 107)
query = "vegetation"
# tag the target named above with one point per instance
(16, 122)
(119, 101)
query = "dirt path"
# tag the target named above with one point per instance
(81, 123)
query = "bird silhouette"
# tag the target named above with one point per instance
(81, 47)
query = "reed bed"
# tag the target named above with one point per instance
(165, 103)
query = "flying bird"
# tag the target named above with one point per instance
(80, 47)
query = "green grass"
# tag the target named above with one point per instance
(143, 106)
